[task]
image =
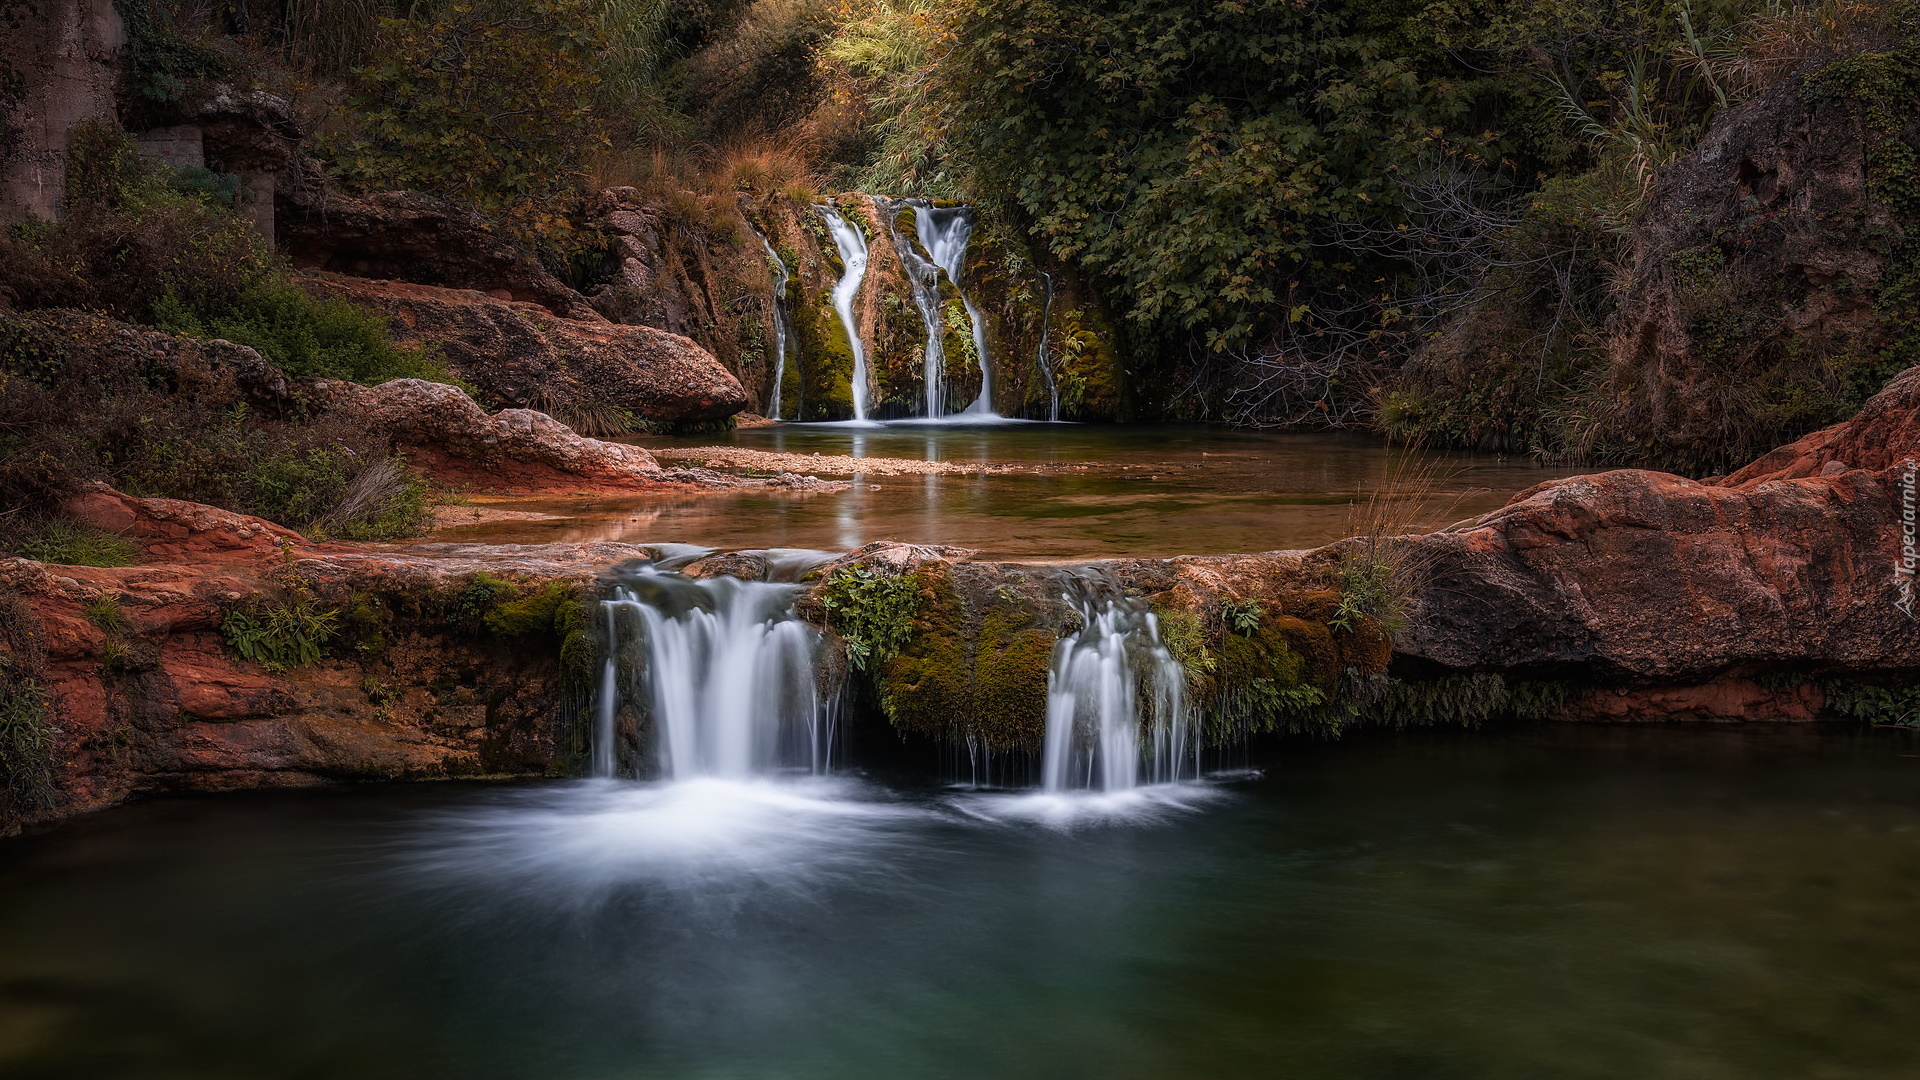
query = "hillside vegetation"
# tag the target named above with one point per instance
(1414, 215)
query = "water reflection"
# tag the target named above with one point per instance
(1091, 492)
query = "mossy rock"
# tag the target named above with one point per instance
(971, 672)
(825, 359)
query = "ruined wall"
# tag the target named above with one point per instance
(64, 56)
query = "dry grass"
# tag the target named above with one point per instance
(1788, 34)
(1382, 566)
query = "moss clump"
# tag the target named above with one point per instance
(538, 611)
(968, 672)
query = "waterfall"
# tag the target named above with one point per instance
(924, 276)
(724, 668)
(780, 277)
(944, 232)
(1046, 361)
(1107, 682)
(853, 256)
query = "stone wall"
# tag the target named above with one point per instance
(65, 54)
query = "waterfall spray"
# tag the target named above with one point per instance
(1109, 681)
(728, 676)
(780, 335)
(853, 255)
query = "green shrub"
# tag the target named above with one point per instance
(279, 636)
(872, 612)
(303, 335)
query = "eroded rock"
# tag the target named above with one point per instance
(523, 355)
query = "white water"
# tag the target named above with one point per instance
(924, 277)
(945, 233)
(1111, 681)
(780, 278)
(853, 255)
(727, 671)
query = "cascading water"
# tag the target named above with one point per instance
(944, 232)
(780, 335)
(1045, 358)
(726, 671)
(924, 277)
(1109, 682)
(853, 256)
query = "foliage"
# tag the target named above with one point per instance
(1192, 155)
(281, 635)
(304, 335)
(553, 608)
(27, 731)
(871, 611)
(489, 103)
(64, 542)
(1887, 706)
(165, 56)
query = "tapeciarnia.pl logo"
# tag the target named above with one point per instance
(1903, 568)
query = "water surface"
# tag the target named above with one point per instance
(1565, 901)
(1095, 491)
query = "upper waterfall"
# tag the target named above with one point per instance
(945, 232)
(853, 256)
(780, 334)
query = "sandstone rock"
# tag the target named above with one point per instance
(444, 420)
(407, 236)
(522, 354)
(1883, 433)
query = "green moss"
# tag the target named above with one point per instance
(825, 359)
(1011, 665)
(540, 611)
(925, 687)
(476, 599)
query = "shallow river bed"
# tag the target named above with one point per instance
(1059, 491)
(1552, 902)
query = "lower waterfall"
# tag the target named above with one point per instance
(1117, 712)
(724, 669)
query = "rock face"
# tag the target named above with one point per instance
(522, 355)
(1760, 261)
(410, 237)
(65, 55)
(444, 422)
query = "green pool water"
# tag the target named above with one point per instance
(1552, 902)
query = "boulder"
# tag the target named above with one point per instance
(407, 236)
(521, 354)
(445, 422)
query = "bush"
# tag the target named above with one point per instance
(281, 635)
(162, 246)
(303, 335)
